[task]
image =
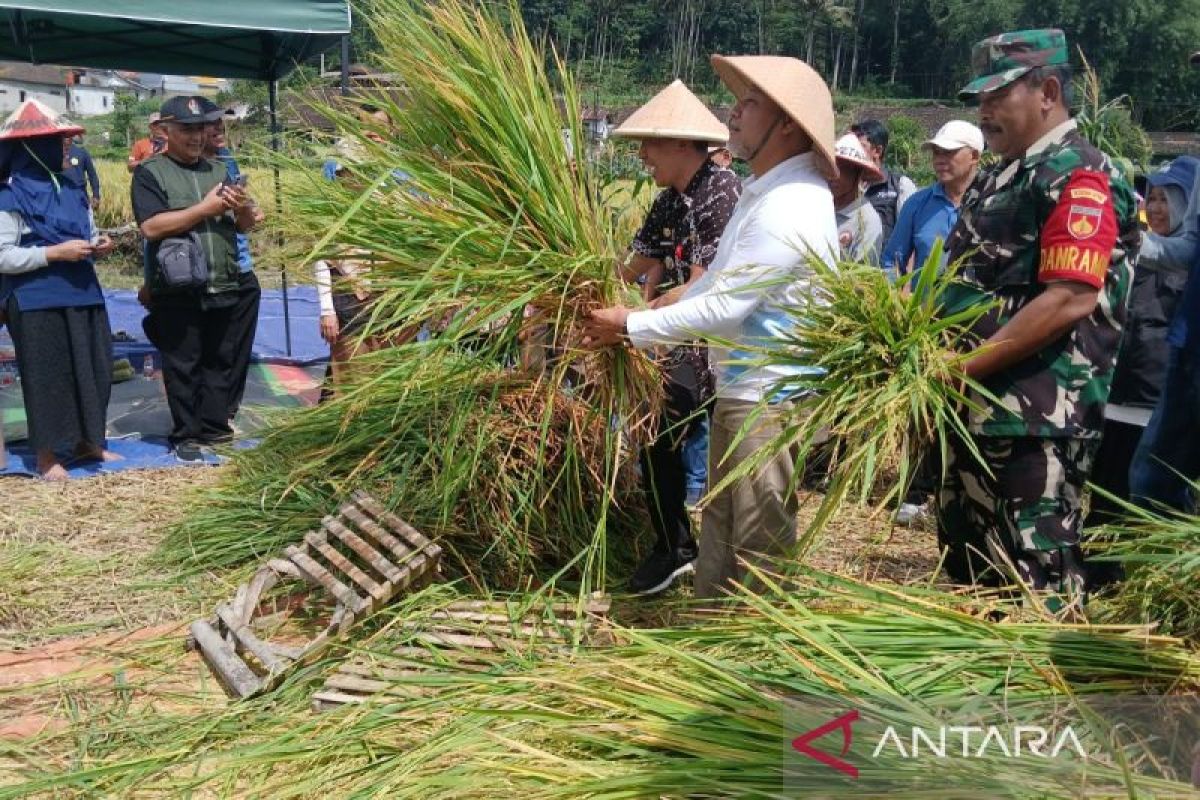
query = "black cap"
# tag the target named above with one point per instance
(189, 110)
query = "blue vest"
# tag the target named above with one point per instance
(61, 284)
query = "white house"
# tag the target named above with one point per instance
(20, 82)
(76, 92)
(93, 92)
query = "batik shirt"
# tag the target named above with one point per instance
(1060, 213)
(683, 229)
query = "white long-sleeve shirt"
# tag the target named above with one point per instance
(15, 259)
(323, 274)
(760, 269)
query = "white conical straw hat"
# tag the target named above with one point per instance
(674, 113)
(795, 87)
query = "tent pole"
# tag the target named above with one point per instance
(345, 82)
(273, 103)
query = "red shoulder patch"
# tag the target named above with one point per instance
(1078, 238)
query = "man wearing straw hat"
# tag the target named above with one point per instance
(783, 127)
(672, 249)
(1047, 237)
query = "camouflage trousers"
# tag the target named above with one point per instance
(1030, 504)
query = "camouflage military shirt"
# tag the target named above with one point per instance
(1059, 213)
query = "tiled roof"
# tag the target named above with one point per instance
(33, 73)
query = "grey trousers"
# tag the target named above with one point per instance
(754, 517)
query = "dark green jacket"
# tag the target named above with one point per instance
(185, 188)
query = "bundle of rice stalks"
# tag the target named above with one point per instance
(1160, 553)
(510, 478)
(879, 379)
(468, 204)
(709, 710)
(479, 225)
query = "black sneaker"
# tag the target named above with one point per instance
(189, 452)
(660, 570)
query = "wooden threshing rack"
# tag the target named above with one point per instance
(361, 557)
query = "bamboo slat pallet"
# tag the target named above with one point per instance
(469, 635)
(361, 558)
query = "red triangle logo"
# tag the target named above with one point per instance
(801, 744)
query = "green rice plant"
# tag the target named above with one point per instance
(1110, 124)
(481, 228)
(703, 710)
(466, 203)
(880, 379)
(1160, 552)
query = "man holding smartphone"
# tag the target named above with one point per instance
(182, 201)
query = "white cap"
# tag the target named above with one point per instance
(956, 134)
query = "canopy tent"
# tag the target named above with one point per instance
(263, 40)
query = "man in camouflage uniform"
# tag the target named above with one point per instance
(1047, 235)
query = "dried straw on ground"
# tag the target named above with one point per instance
(703, 709)
(76, 557)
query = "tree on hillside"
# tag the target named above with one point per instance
(917, 47)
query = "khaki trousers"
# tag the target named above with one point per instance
(754, 517)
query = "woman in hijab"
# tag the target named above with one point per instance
(1142, 363)
(50, 294)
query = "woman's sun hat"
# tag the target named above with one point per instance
(849, 150)
(35, 118)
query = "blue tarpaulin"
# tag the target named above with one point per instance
(125, 315)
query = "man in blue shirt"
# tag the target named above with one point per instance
(243, 323)
(931, 213)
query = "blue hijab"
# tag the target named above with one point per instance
(55, 209)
